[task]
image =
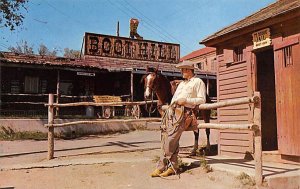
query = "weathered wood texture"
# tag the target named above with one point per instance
(287, 96)
(104, 121)
(103, 104)
(233, 83)
(258, 142)
(51, 128)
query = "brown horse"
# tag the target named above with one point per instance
(155, 83)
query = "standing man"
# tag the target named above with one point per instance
(190, 93)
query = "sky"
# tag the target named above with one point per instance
(60, 24)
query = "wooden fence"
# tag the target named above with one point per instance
(255, 126)
(51, 125)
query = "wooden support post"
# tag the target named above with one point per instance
(131, 85)
(50, 128)
(207, 87)
(57, 93)
(257, 141)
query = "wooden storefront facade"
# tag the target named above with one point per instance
(110, 66)
(261, 53)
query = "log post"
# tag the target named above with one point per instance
(57, 93)
(207, 87)
(50, 127)
(131, 85)
(257, 141)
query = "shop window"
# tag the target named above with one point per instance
(66, 88)
(31, 84)
(238, 55)
(287, 56)
(15, 86)
(214, 64)
(200, 65)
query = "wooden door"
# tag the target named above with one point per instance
(287, 79)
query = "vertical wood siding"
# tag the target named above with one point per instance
(233, 82)
(287, 97)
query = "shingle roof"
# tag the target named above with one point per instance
(275, 9)
(91, 62)
(198, 52)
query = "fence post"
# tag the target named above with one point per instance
(50, 127)
(257, 141)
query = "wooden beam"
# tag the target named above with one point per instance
(232, 102)
(251, 127)
(103, 104)
(104, 121)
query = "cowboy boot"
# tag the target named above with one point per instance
(155, 173)
(168, 172)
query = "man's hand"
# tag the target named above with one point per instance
(181, 101)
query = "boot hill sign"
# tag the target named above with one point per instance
(121, 47)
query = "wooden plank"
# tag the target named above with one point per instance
(233, 91)
(231, 75)
(232, 154)
(234, 121)
(234, 135)
(233, 96)
(225, 103)
(228, 67)
(239, 149)
(103, 104)
(226, 142)
(234, 112)
(227, 126)
(233, 86)
(103, 121)
(234, 118)
(230, 71)
(233, 81)
(236, 107)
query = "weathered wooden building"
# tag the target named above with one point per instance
(110, 65)
(206, 61)
(261, 53)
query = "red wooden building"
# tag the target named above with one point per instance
(261, 53)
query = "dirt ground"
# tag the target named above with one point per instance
(118, 170)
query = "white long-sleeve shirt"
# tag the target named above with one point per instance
(193, 90)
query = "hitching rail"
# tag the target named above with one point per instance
(51, 125)
(255, 126)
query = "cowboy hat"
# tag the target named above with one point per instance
(186, 64)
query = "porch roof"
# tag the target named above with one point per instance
(275, 9)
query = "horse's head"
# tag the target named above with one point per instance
(150, 83)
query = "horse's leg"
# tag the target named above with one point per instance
(195, 147)
(207, 131)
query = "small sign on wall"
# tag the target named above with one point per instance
(90, 74)
(261, 38)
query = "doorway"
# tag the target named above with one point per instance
(266, 87)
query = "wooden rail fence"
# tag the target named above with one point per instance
(255, 126)
(51, 125)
